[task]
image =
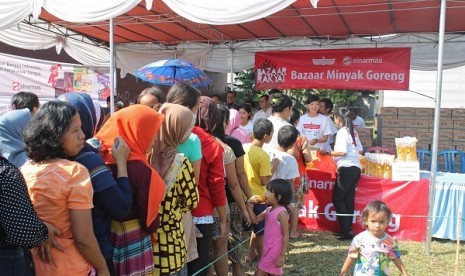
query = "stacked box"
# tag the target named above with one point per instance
(366, 136)
(424, 112)
(458, 114)
(445, 114)
(460, 147)
(458, 133)
(406, 113)
(391, 111)
(389, 143)
(418, 122)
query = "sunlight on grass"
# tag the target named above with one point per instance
(319, 253)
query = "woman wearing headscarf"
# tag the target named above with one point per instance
(112, 198)
(234, 129)
(181, 194)
(184, 94)
(12, 145)
(211, 183)
(137, 125)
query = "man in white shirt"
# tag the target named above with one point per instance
(231, 100)
(357, 121)
(326, 107)
(265, 110)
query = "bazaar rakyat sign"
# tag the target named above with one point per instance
(366, 69)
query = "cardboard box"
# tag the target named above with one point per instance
(427, 112)
(445, 146)
(445, 136)
(423, 131)
(424, 137)
(459, 135)
(460, 147)
(445, 124)
(366, 143)
(389, 111)
(459, 124)
(390, 123)
(458, 112)
(423, 145)
(407, 132)
(388, 143)
(387, 133)
(424, 124)
(407, 117)
(445, 112)
(405, 111)
(365, 132)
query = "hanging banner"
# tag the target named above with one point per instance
(408, 221)
(364, 69)
(49, 79)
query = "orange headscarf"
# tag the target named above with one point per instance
(137, 125)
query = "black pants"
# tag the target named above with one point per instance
(203, 247)
(344, 195)
(16, 262)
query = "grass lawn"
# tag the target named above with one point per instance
(319, 253)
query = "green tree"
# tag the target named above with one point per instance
(245, 84)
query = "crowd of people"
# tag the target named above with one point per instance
(171, 185)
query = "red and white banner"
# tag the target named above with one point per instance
(409, 216)
(49, 79)
(364, 69)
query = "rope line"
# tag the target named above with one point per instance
(314, 213)
(225, 254)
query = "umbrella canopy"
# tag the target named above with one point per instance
(171, 71)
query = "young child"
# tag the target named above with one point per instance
(259, 171)
(372, 249)
(276, 238)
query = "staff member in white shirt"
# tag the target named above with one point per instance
(265, 110)
(326, 107)
(313, 125)
(347, 149)
(357, 120)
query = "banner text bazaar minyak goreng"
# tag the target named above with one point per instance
(364, 69)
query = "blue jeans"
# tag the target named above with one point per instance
(16, 262)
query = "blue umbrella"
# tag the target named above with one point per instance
(171, 71)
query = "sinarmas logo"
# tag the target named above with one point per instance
(347, 60)
(270, 73)
(16, 86)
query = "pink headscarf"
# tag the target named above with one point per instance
(233, 128)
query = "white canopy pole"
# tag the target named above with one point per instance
(434, 155)
(112, 69)
(232, 68)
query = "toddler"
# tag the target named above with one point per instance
(372, 249)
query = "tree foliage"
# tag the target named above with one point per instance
(245, 84)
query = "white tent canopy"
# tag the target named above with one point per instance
(217, 57)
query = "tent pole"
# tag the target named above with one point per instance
(232, 69)
(112, 69)
(434, 154)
